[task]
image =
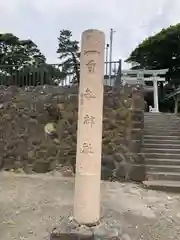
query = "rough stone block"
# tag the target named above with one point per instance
(72, 231)
(135, 147)
(137, 134)
(138, 173)
(138, 124)
(138, 115)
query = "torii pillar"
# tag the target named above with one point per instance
(89, 133)
(156, 97)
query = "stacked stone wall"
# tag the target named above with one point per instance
(24, 113)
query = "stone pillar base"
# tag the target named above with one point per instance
(72, 231)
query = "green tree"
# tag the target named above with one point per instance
(22, 63)
(161, 51)
(16, 53)
(68, 53)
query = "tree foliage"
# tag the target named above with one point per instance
(161, 51)
(22, 63)
(68, 53)
(17, 53)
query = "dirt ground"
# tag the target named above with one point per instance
(32, 205)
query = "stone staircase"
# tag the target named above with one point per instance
(161, 149)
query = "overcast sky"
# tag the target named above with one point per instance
(133, 20)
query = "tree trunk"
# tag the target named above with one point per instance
(76, 68)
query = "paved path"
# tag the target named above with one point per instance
(31, 206)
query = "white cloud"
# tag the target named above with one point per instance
(133, 20)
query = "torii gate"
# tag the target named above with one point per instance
(155, 77)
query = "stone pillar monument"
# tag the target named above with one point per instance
(89, 134)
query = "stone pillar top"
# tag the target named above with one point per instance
(93, 39)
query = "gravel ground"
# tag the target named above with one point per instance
(32, 205)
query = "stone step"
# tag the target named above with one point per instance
(162, 168)
(162, 124)
(160, 113)
(169, 176)
(161, 146)
(161, 150)
(162, 161)
(161, 127)
(162, 133)
(161, 141)
(161, 156)
(152, 124)
(161, 120)
(170, 186)
(170, 116)
(162, 116)
(166, 126)
(161, 137)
